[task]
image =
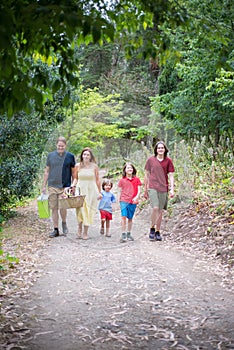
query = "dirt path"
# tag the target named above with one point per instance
(102, 294)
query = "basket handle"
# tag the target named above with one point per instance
(68, 192)
(43, 197)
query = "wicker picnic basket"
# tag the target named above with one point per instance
(68, 201)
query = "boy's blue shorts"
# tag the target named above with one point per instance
(127, 209)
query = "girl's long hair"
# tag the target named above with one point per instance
(124, 170)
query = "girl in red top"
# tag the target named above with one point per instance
(130, 186)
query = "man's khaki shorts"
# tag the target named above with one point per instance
(158, 199)
(54, 194)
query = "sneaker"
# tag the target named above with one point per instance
(123, 238)
(64, 227)
(158, 237)
(102, 231)
(54, 233)
(152, 234)
(129, 236)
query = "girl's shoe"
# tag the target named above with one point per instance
(123, 238)
(129, 236)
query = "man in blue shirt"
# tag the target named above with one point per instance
(58, 175)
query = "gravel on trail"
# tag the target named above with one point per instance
(102, 294)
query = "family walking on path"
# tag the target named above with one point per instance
(69, 294)
(62, 172)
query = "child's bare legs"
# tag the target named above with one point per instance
(108, 228)
(129, 225)
(129, 236)
(123, 226)
(102, 226)
(123, 223)
(126, 235)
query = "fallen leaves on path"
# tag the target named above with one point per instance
(191, 230)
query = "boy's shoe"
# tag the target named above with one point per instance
(54, 233)
(129, 236)
(123, 238)
(64, 227)
(102, 231)
(158, 237)
(152, 234)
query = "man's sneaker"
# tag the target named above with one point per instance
(64, 227)
(152, 234)
(158, 236)
(123, 238)
(54, 233)
(129, 236)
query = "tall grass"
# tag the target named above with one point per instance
(201, 176)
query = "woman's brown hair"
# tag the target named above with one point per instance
(92, 159)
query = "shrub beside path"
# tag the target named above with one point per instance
(102, 294)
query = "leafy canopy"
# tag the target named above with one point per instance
(49, 31)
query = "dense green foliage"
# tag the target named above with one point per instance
(50, 31)
(131, 82)
(22, 140)
(35, 30)
(196, 85)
